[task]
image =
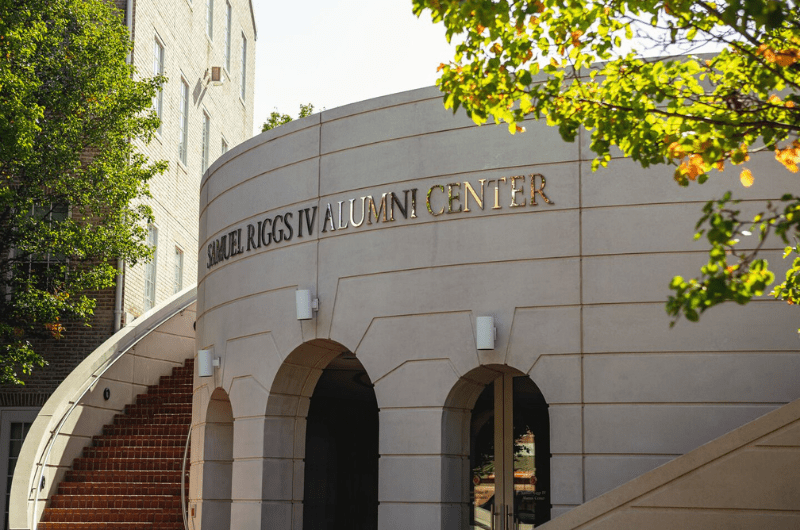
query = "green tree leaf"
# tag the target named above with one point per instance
(72, 112)
(696, 113)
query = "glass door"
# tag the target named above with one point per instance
(509, 456)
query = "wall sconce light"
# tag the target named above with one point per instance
(486, 333)
(206, 362)
(305, 304)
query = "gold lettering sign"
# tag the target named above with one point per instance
(454, 198)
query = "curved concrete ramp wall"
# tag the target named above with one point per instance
(133, 358)
(748, 478)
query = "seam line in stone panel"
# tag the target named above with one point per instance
(229, 263)
(414, 407)
(773, 447)
(775, 511)
(373, 109)
(316, 240)
(413, 455)
(580, 297)
(695, 352)
(256, 217)
(412, 503)
(218, 306)
(667, 203)
(259, 417)
(697, 404)
(378, 109)
(204, 181)
(209, 309)
(660, 302)
(396, 138)
(409, 361)
(226, 190)
(461, 174)
(472, 264)
(629, 454)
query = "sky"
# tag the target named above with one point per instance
(334, 52)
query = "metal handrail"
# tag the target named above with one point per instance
(184, 507)
(94, 377)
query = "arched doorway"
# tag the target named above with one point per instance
(341, 465)
(217, 462)
(321, 442)
(503, 422)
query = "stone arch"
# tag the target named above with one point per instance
(217, 461)
(457, 418)
(287, 424)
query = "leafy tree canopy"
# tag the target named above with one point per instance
(276, 118)
(581, 63)
(70, 176)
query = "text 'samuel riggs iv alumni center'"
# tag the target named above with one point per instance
(407, 321)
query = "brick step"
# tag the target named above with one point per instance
(172, 383)
(158, 418)
(110, 515)
(146, 399)
(141, 440)
(173, 452)
(171, 389)
(161, 502)
(147, 430)
(129, 476)
(122, 488)
(126, 464)
(111, 526)
(185, 378)
(152, 408)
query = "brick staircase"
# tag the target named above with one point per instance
(129, 478)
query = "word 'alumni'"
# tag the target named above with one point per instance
(441, 199)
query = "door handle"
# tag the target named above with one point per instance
(498, 518)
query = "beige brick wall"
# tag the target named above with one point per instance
(180, 25)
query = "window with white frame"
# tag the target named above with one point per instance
(158, 69)
(224, 147)
(184, 134)
(178, 270)
(44, 268)
(206, 137)
(228, 22)
(14, 427)
(210, 19)
(244, 68)
(150, 269)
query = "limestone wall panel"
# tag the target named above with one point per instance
(371, 126)
(758, 326)
(725, 377)
(624, 182)
(442, 153)
(420, 291)
(661, 429)
(606, 472)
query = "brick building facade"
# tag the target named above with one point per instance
(183, 40)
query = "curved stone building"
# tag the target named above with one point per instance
(348, 262)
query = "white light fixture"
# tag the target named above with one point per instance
(206, 362)
(305, 304)
(486, 333)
